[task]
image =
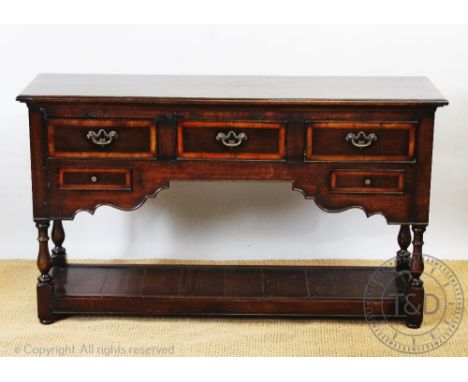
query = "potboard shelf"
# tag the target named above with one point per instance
(226, 290)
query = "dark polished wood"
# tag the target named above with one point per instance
(394, 141)
(58, 237)
(225, 290)
(45, 282)
(95, 179)
(416, 286)
(44, 261)
(245, 89)
(371, 181)
(345, 142)
(133, 138)
(264, 140)
(403, 255)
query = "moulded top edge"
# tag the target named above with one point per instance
(232, 89)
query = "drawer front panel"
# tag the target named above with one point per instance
(360, 141)
(366, 181)
(231, 140)
(93, 138)
(95, 179)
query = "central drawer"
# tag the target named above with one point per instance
(231, 140)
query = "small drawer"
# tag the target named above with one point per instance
(231, 140)
(94, 138)
(360, 141)
(357, 181)
(97, 179)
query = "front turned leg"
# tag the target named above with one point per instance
(403, 255)
(415, 303)
(45, 282)
(59, 254)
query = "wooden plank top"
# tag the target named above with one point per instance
(232, 89)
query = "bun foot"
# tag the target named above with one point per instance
(47, 321)
(413, 325)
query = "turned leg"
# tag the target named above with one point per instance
(403, 255)
(58, 252)
(415, 303)
(45, 282)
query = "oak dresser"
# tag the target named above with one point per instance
(344, 142)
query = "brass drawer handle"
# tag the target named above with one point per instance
(231, 139)
(102, 138)
(361, 139)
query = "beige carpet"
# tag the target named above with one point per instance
(22, 335)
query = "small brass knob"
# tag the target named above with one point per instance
(94, 179)
(367, 182)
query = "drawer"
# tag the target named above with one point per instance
(96, 179)
(231, 140)
(94, 138)
(360, 141)
(368, 181)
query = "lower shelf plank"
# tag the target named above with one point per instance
(227, 290)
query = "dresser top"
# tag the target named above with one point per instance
(233, 89)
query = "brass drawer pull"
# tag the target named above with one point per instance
(361, 139)
(102, 138)
(231, 139)
(367, 181)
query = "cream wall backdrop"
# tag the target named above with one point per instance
(220, 221)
